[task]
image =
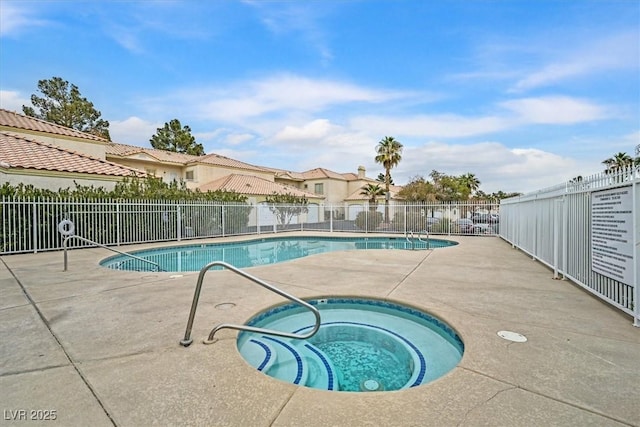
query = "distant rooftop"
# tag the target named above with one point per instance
(19, 152)
(20, 121)
(246, 184)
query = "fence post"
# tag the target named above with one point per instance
(635, 197)
(257, 210)
(331, 218)
(556, 237)
(178, 222)
(118, 225)
(565, 234)
(34, 226)
(222, 218)
(406, 212)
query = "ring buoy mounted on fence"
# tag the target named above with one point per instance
(66, 227)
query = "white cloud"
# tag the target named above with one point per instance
(127, 37)
(555, 110)
(620, 51)
(279, 94)
(314, 130)
(133, 131)
(12, 101)
(497, 166)
(235, 139)
(16, 17)
(297, 21)
(430, 126)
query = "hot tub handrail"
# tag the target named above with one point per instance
(187, 340)
(75, 236)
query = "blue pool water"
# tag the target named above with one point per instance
(255, 252)
(362, 345)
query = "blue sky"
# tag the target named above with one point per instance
(524, 94)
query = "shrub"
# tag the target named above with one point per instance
(367, 220)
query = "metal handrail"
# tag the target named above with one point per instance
(74, 236)
(412, 240)
(413, 243)
(426, 232)
(187, 340)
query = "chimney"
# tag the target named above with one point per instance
(361, 172)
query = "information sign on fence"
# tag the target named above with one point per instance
(612, 234)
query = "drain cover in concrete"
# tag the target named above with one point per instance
(512, 336)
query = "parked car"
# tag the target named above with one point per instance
(464, 225)
(467, 226)
(430, 222)
(484, 218)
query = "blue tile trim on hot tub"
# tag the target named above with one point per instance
(267, 351)
(437, 323)
(326, 364)
(423, 362)
(293, 352)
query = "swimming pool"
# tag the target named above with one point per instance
(262, 251)
(363, 344)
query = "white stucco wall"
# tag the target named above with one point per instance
(55, 183)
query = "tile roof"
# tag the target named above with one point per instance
(24, 153)
(20, 121)
(247, 184)
(215, 159)
(285, 174)
(124, 150)
(319, 173)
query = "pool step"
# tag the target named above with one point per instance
(297, 362)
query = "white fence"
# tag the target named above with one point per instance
(567, 227)
(31, 225)
(587, 231)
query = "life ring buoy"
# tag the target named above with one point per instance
(66, 227)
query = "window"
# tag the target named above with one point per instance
(189, 176)
(319, 189)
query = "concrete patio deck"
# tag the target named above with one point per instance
(100, 347)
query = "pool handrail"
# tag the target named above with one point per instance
(426, 233)
(187, 340)
(75, 236)
(411, 239)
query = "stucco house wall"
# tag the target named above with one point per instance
(56, 181)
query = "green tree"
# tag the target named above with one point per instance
(174, 137)
(419, 190)
(286, 206)
(499, 195)
(389, 154)
(372, 191)
(381, 179)
(470, 183)
(63, 105)
(620, 162)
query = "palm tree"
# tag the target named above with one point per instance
(470, 182)
(389, 155)
(372, 191)
(381, 178)
(618, 162)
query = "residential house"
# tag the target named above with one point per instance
(208, 172)
(45, 155)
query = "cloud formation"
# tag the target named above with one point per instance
(618, 51)
(559, 110)
(17, 17)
